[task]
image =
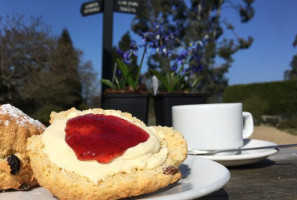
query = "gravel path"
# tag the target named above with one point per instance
(273, 135)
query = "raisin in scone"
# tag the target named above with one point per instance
(15, 128)
(104, 154)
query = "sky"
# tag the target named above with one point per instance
(273, 28)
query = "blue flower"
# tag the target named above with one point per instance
(119, 51)
(128, 55)
(170, 36)
(119, 72)
(205, 39)
(158, 39)
(163, 50)
(174, 67)
(181, 58)
(196, 68)
(133, 45)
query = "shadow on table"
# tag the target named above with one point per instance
(218, 195)
(257, 165)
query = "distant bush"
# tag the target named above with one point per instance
(289, 125)
(256, 106)
(43, 114)
(273, 98)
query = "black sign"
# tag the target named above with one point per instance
(127, 6)
(90, 8)
(107, 7)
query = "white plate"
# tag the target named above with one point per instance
(245, 157)
(200, 177)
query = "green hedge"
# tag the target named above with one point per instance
(272, 98)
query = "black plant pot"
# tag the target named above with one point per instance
(164, 102)
(136, 104)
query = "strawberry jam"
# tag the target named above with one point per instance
(102, 137)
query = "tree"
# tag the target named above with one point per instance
(89, 84)
(24, 52)
(58, 81)
(292, 74)
(193, 20)
(40, 72)
(65, 61)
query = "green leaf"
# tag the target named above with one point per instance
(108, 83)
(175, 80)
(178, 81)
(195, 82)
(170, 83)
(123, 67)
(131, 82)
(117, 83)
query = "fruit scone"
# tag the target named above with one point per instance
(15, 128)
(104, 154)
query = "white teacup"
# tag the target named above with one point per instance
(213, 126)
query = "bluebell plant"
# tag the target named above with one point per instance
(178, 76)
(124, 77)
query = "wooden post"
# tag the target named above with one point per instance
(107, 42)
(108, 7)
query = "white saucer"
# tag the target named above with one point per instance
(200, 177)
(245, 157)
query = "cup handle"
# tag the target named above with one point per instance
(248, 124)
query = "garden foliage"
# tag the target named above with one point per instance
(272, 98)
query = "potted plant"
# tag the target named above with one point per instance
(125, 91)
(180, 77)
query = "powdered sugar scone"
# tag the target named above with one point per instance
(15, 128)
(104, 154)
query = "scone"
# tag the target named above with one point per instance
(15, 128)
(104, 154)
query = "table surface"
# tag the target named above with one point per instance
(272, 178)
